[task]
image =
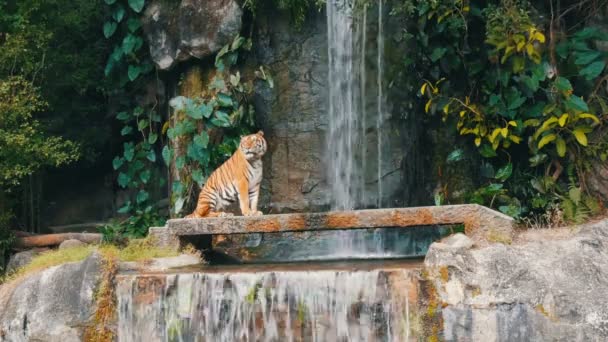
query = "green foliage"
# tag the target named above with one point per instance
(7, 239)
(24, 145)
(127, 68)
(528, 103)
(207, 127)
(134, 226)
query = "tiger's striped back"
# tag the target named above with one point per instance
(239, 177)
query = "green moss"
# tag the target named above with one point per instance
(50, 259)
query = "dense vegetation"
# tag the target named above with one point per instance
(523, 82)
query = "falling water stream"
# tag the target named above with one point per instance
(266, 305)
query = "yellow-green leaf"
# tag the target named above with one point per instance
(477, 141)
(560, 145)
(423, 88)
(504, 132)
(546, 139)
(446, 108)
(589, 116)
(550, 122)
(512, 123)
(428, 105)
(494, 134)
(515, 138)
(539, 36)
(531, 122)
(462, 113)
(580, 136)
(562, 119)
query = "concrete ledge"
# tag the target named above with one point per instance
(481, 224)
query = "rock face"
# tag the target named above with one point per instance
(23, 258)
(192, 28)
(537, 291)
(53, 305)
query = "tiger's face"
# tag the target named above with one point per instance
(253, 146)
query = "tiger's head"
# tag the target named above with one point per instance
(253, 146)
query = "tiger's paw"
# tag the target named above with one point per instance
(254, 213)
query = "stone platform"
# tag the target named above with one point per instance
(480, 223)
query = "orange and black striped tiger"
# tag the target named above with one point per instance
(240, 175)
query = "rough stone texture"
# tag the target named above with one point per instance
(52, 306)
(192, 28)
(546, 290)
(71, 244)
(454, 242)
(161, 264)
(21, 259)
(480, 222)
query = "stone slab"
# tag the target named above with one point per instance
(481, 224)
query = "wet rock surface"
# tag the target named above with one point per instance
(551, 290)
(192, 28)
(52, 305)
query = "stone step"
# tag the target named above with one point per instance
(480, 223)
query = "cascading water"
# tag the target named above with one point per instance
(345, 176)
(347, 78)
(318, 305)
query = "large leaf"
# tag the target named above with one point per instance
(224, 100)
(576, 103)
(133, 24)
(455, 155)
(592, 70)
(151, 155)
(580, 136)
(546, 139)
(202, 140)
(133, 72)
(136, 5)
(142, 196)
(145, 176)
(117, 162)
(178, 102)
(560, 145)
(584, 58)
(129, 151)
(197, 176)
(126, 130)
(487, 151)
(118, 14)
(504, 172)
(109, 28)
(563, 84)
(167, 154)
(123, 180)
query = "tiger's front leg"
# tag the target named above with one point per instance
(253, 200)
(243, 189)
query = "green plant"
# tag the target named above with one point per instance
(208, 126)
(127, 68)
(491, 72)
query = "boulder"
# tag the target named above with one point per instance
(543, 290)
(71, 244)
(21, 259)
(52, 305)
(192, 28)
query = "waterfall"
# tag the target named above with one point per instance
(345, 174)
(347, 154)
(318, 305)
(380, 97)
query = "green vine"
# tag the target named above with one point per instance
(128, 67)
(207, 126)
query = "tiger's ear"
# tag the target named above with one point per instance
(260, 133)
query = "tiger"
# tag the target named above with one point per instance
(240, 175)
